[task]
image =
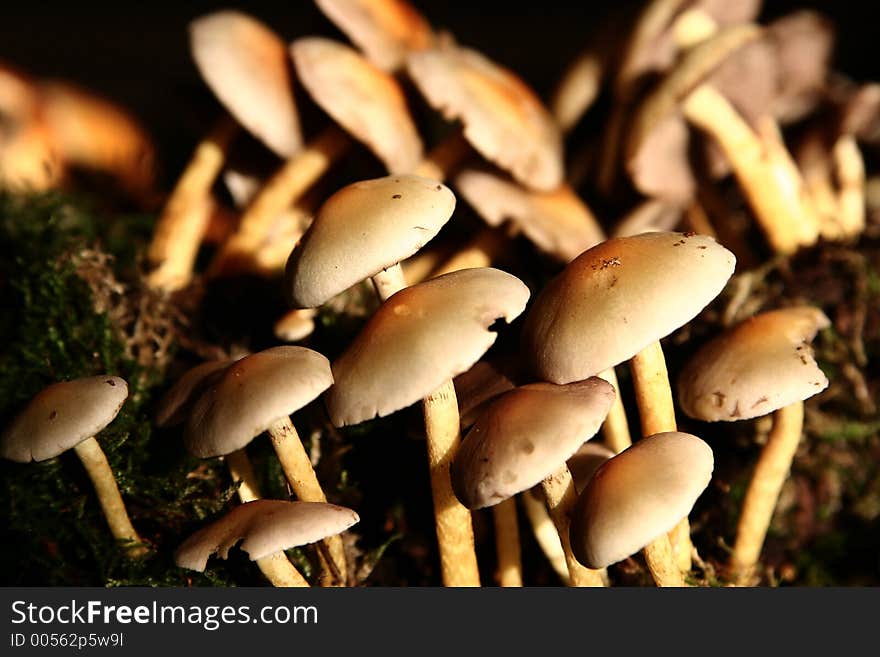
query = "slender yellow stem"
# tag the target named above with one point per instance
(278, 570)
(545, 534)
(615, 429)
(661, 563)
(444, 158)
(507, 546)
(242, 470)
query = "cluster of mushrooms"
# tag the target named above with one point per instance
(699, 91)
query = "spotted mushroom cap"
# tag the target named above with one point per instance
(526, 435)
(252, 394)
(502, 117)
(386, 30)
(247, 67)
(264, 527)
(618, 297)
(419, 338)
(638, 495)
(760, 365)
(362, 229)
(61, 416)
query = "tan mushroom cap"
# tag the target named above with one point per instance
(264, 527)
(419, 338)
(175, 404)
(639, 495)
(61, 416)
(760, 365)
(386, 30)
(584, 463)
(615, 299)
(526, 435)
(502, 117)
(252, 394)
(362, 229)
(365, 100)
(247, 67)
(558, 222)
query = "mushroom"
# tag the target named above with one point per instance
(614, 303)
(295, 325)
(68, 415)
(410, 349)
(266, 528)
(639, 495)
(762, 365)
(524, 438)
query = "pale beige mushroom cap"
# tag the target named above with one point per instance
(476, 387)
(650, 216)
(386, 30)
(526, 435)
(264, 527)
(419, 338)
(252, 394)
(175, 404)
(502, 117)
(362, 229)
(639, 495)
(584, 463)
(615, 299)
(247, 67)
(760, 365)
(558, 223)
(362, 98)
(61, 416)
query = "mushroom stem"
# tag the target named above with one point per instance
(850, 167)
(184, 220)
(561, 498)
(242, 470)
(770, 474)
(98, 469)
(763, 166)
(507, 546)
(487, 245)
(698, 220)
(290, 182)
(693, 26)
(388, 281)
(444, 158)
(455, 534)
(546, 535)
(278, 570)
(615, 429)
(302, 478)
(657, 413)
(661, 563)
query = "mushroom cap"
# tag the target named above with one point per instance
(61, 416)
(264, 527)
(638, 495)
(526, 435)
(247, 67)
(650, 216)
(175, 404)
(502, 117)
(584, 462)
(386, 30)
(295, 325)
(557, 222)
(760, 365)
(251, 395)
(362, 98)
(419, 338)
(362, 229)
(617, 298)
(477, 387)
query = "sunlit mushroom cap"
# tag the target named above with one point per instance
(558, 222)
(174, 406)
(252, 394)
(615, 299)
(760, 365)
(526, 435)
(638, 495)
(362, 98)
(264, 527)
(61, 416)
(419, 338)
(247, 66)
(502, 117)
(386, 30)
(362, 229)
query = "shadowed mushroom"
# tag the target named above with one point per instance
(638, 495)
(763, 365)
(295, 325)
(524, 438)
(266, 528)
(67, 416)
(649, 216)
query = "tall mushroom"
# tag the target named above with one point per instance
(68, 415)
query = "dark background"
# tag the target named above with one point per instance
(137, 53)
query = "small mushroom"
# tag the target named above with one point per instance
(266, 528)
(68, 415)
